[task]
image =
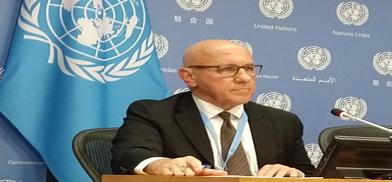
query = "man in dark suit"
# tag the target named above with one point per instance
(187, 132)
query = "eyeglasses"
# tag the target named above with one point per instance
(231, 70)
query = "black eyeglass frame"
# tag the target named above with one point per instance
(220, 68)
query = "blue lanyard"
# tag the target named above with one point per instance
(236, 141)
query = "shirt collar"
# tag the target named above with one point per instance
(211, 110)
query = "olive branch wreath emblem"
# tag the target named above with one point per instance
(28, 21)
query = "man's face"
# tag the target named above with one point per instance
(225, 92)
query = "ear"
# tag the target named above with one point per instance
(186, 74)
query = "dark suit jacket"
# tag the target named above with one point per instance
(173, 128)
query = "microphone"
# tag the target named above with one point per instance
(342, 114)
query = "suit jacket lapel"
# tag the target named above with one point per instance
(189, 119)
(262, 133)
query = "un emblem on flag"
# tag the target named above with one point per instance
(92, 39)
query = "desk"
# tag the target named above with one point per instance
(151, 178)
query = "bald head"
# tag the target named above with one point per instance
(204, 51)
(203, 71)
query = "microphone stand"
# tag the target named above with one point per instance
(344, 114)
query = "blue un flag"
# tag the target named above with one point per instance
(73, 65)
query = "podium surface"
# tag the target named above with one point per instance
(152, 178)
